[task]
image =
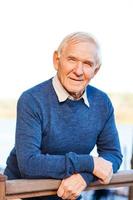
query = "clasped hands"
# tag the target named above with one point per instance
(71, 188)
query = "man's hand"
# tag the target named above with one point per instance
(71, 188)
(102, 169)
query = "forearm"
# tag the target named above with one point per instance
(108, 144)
(53, 166)
(114, 159)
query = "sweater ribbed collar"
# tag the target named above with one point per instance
(63, 95)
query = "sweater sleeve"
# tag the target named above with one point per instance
(108, 145)
(88, 177)
(31, 162)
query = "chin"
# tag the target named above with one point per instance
(76, 91)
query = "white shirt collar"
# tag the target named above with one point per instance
(62, 94)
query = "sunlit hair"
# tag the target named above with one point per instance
(80, 37)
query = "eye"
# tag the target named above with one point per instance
(88, 64)
(72, 59)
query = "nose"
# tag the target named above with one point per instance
(78, 70)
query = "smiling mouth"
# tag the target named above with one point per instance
(76, 79)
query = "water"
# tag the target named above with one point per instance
(7, 139)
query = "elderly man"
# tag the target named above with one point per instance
(61, 120)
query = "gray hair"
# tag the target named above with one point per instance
(81, 37)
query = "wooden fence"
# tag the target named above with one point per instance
(23, 188)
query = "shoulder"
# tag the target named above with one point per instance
(41, 88)
(95, 92)
(98, 97)
(36, 93)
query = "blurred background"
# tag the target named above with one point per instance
(31, 30)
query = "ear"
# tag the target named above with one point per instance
(97, 69)
(56, 60)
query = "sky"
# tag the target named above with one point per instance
(30, 31)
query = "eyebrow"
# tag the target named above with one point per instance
(88, 62)
(73, 57)
(84, 61)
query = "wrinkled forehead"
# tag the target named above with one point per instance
(82, 50)
(72, 42)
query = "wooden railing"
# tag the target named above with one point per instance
(23, 188)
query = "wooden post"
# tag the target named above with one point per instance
(2, 187)
(130, 193)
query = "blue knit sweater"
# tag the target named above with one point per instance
(54, 140)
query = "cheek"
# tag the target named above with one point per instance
(61, 70)
(88, 75)
(65, 70)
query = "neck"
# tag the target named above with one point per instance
(76, 95)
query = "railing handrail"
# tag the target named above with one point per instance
(22, 188)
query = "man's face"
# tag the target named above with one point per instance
(76, 66)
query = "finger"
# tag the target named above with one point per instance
(75, 196)
(108, 178)
(68, 191)
(66, 195)
(105, 181)
(79, 188)
(70, 194)
(72, 198)
(60, 192)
